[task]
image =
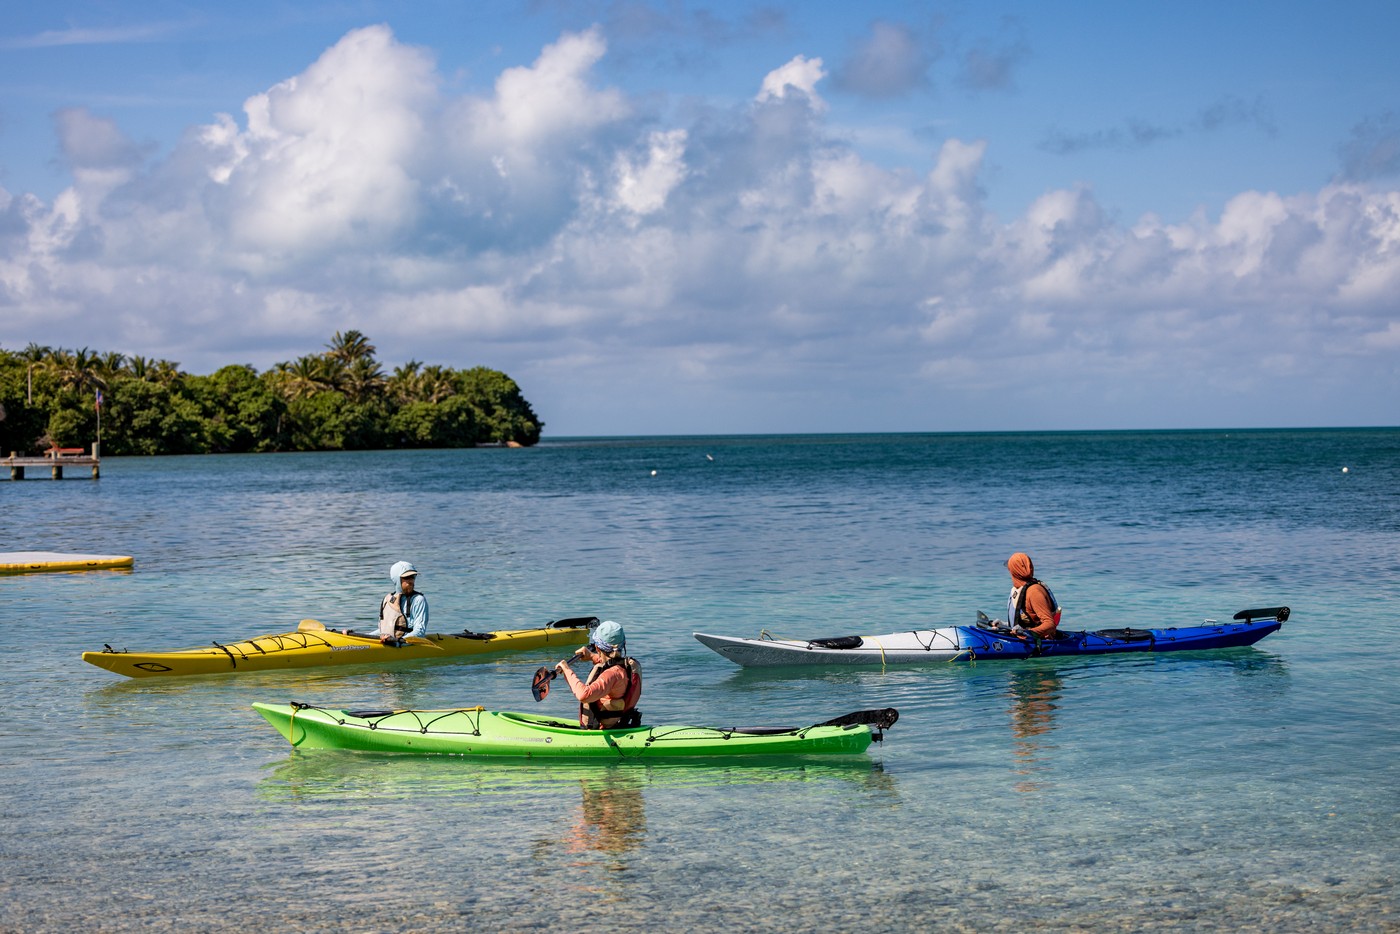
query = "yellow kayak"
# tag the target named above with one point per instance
(312, 645)
(26, 562)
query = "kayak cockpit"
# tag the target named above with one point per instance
(837, 642)
(553, 724)
(1126, 635)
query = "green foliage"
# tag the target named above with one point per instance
(447, 424)
(152, 418)
(24, 422)
(502, 411)
(340, 399)
(331, 421)
(69, 427)
(241, 411)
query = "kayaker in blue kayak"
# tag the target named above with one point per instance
(404, 612)
(1031, 607)
(607, 700)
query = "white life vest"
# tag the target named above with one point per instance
(393, 623)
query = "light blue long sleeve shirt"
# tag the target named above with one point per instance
(417, 614)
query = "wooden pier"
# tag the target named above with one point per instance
(54, 460)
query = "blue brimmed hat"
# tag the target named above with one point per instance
(609, 636)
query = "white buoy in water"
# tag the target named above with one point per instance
(653, 473)
(1346, 470)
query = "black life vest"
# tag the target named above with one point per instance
(1018, 613)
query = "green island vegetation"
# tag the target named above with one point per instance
(333, 401)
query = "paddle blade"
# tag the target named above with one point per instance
(539, 687)
(419, 640)
(883, 718)
(1279, 613)
(311, 625)
(574, 622)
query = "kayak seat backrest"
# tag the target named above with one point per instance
(839, 642)
(1126, 635)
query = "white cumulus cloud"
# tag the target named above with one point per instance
(627, 262)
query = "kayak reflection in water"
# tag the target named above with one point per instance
(1033, 704)
(607, 700)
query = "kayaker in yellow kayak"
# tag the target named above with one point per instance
(607, 700)
(404, 612)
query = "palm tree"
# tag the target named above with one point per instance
(302, 378)
(435, 385)
(363, 379)
(108, 366)
(403, 385)
(280, 379)
(35, 355)
(166, 372)
(140, 368)
(77, 369)
(349, 347)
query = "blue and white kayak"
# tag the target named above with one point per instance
(986, 641)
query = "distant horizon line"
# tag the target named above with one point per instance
(545, 437)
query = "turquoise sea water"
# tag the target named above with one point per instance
(1228, 789)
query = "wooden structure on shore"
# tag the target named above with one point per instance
(55, 459)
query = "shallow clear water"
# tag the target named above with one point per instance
(1233, 788)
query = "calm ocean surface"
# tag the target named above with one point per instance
(1241, 788)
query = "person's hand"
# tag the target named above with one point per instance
(559, 668)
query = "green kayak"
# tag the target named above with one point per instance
(474, 731)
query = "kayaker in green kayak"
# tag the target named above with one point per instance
(607, 700)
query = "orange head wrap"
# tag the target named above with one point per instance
(1020, 566)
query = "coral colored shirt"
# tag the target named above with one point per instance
(610, 686)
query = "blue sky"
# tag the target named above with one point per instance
(673, 217)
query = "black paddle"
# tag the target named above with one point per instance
(1279, 613)
(539, 686)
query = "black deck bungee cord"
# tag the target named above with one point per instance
(232, 660)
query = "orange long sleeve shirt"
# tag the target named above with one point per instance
(1041, 613)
